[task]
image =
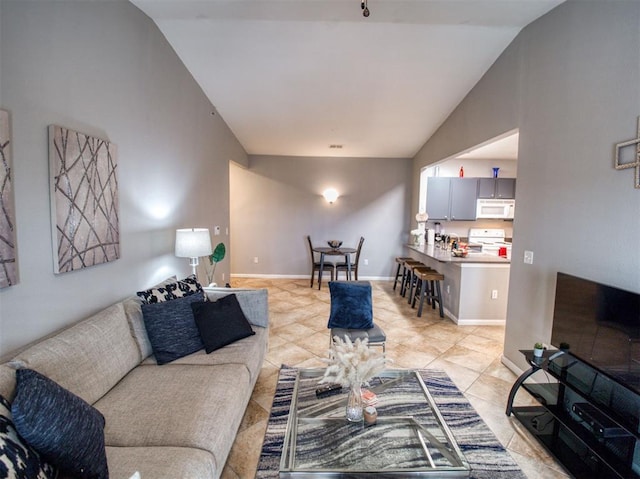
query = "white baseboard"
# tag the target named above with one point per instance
(511, 365)
(474, 322)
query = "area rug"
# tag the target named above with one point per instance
(484, 453)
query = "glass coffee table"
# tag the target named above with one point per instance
(409, 439)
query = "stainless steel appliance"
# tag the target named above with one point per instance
(494, 208)
(491, 239)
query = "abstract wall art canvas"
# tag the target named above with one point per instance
(84, 200)
(8, 268)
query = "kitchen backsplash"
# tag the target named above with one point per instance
(461, 228)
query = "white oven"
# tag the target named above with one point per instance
(491, 240)
(490, 208)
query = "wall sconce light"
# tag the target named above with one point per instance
(192, 243)
(330, 194)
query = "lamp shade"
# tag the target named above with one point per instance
(193, 243)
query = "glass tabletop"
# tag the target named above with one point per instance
(409, 439)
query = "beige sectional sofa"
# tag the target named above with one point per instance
(178, 420)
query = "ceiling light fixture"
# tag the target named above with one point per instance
(330, 194)
(365, 8)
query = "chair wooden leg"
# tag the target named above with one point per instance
(313, 273)
(395, 281)
(439, 295)
(423, 293)
(403, 286)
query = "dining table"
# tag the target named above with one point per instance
(342, 251)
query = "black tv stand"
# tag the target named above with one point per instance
(588, 421)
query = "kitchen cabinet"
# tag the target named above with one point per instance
(452, 198)
(438, 190)
(501, 188)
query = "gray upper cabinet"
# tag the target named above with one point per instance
(452, 198)
(501, 188)
(438, 190)
(464, 192)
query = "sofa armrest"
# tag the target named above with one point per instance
(254, 302)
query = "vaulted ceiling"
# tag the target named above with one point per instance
(317, 78)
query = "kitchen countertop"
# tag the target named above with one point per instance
(444, 256)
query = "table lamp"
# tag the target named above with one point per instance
(192, 243)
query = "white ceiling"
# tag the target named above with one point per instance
(292, 77)
(503, 148)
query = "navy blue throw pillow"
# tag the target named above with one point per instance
(351, 305)
(19, 460)
(171, 328)
(64, 429)
(221, 322)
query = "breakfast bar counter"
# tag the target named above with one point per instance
(475, 288)
(445, 256)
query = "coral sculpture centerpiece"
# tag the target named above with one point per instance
(352, 364)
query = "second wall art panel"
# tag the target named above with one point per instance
(84, 199)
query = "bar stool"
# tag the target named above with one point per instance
(406, 274)
(430, 289)
(400, 260)
(413, 279)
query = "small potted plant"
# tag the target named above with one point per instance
(214, 258)
(538, 349)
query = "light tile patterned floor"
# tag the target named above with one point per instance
(469, 354)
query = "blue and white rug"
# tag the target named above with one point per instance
(484, 453)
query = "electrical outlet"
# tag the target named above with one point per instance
(366, 262)
(448, 289)
(216, 230)
(222, 276)
(226, 231)
(255, 259)
(494, 294)
(528, 257)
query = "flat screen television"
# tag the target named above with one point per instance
(600, 324)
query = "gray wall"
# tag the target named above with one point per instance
(103, 68)
(277, 201)
(569, 82)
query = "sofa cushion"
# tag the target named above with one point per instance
(169, 291)
(221, 322)
(176, 405)
(18, 459)
(63, 428)
(351, 305)
(249, 352)
(254, 302)
(161, 463)
(133, 311)
(7, 382)
(89, 358)
(172, 329)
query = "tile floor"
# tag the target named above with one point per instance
(469, 354)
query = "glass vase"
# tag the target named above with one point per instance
(354, 404)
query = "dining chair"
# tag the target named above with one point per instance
(354, 266)
(352, 313)
(315, 265)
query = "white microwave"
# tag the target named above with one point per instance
(492, 208)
